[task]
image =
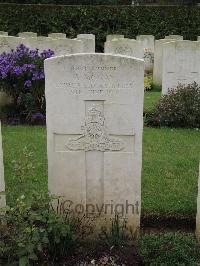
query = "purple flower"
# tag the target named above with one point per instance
(47, 53)
(17, 70)
(27, 83)
(38, 75)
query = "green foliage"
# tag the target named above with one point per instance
(179, 108)
(102, 20)
(70, 2)
(169, 249)
(32, 231)
(117, 235)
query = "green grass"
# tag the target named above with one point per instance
(170, 166)
(169, 249)
(151, 98)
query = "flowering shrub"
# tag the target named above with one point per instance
(22, 78)
(179, 108)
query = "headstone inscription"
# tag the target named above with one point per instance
(94, 134)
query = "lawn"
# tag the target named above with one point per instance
(170, 166)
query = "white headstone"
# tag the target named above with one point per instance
(124, 46)
(86, 36)
(198, 210)
(59, 46)
(113, 37)
(88, 41)
(57, 35)
(198, 38)
(181, 64)
(174, 37)
(7, 43)
(4, 33)
(94, 133)
(158, 61)
(27, 34)
(147, 42)
(2, 183)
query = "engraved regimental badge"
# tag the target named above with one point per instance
(95, 136)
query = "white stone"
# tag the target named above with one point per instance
(158, 61)
(88, 41)
(94, 132)
(57, 35)
(181, 64)
(174, 37)
(147, 43)
(59, 46)
(2, 183)
(4, 33)
(128, 47)
(27, 34)
(113, 37)
(86, 36)
(198, 210)
(7, 43)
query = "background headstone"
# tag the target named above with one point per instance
(57, 35)
(94, 132)
(4, 33)
(181, 64)
(88, 41)
(128, 47)
(2, 183)
(147, 43)
(174, 37)
(113, 37)
(27, 34)
(158, 61)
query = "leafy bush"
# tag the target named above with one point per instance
(32, 231)
(179, 108)
(22, 78)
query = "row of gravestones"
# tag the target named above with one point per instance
(94, 107)
(171, 60)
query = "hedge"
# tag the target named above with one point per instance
(101, 20)
(71, 2)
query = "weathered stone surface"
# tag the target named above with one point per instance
(124, 46)
(94, 133)
(27, 34)
(2, 183)
(181, 64)
(57, 35)
(113, 37)
(86, 36)
(7, 43)
(88, 41)
(4, 33)
(147, 42)
(59, 46)
(158, 61)
(174, 37)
